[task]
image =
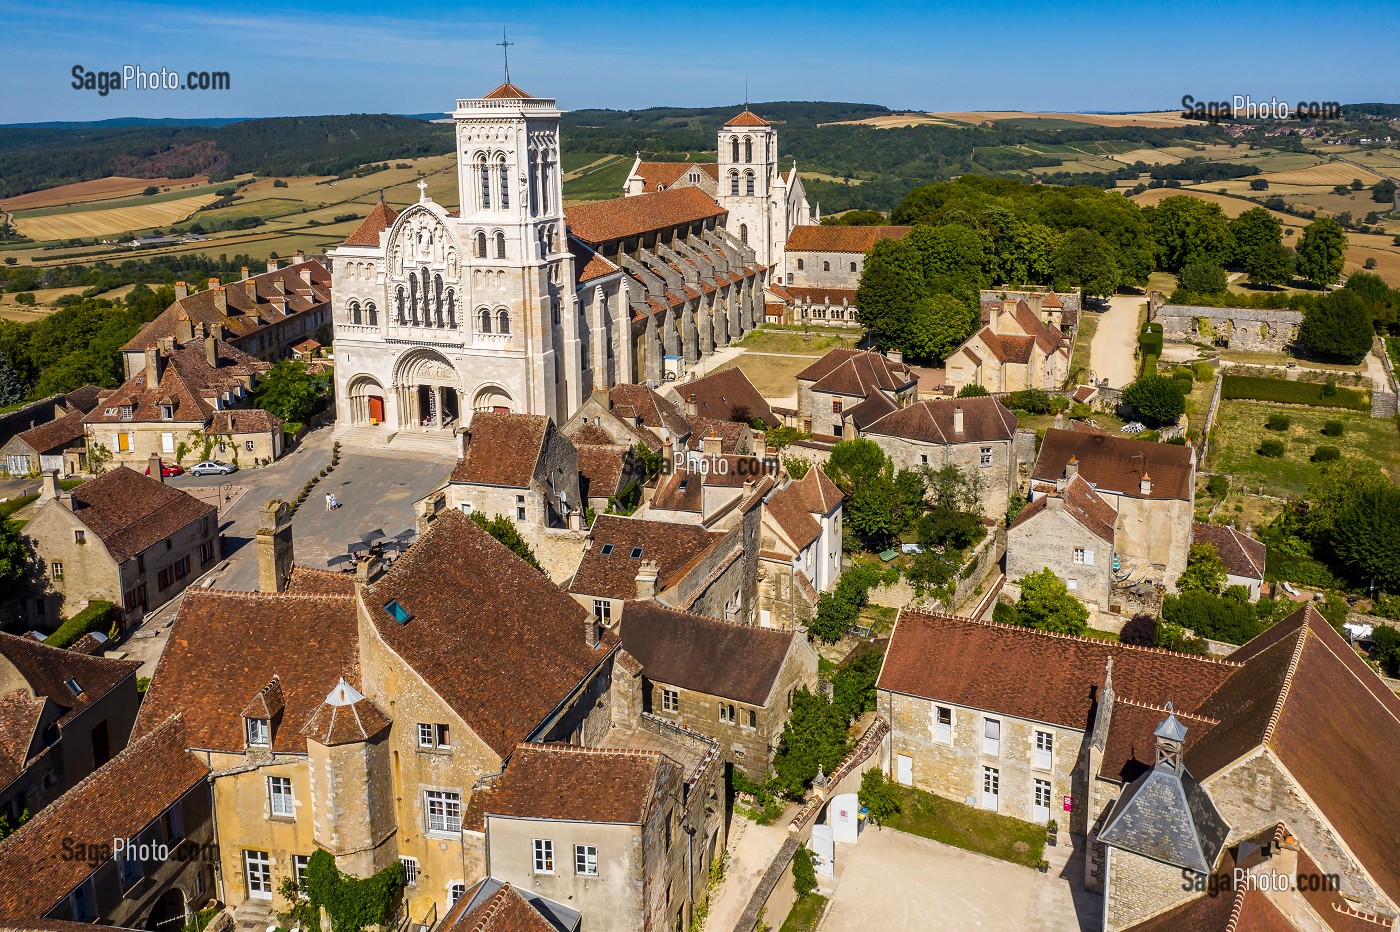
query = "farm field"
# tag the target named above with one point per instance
(105, 222)
(1331, 173)
(1166, 118)
(599, 180)
(96, 190)
(895, 120)
(1239, 430)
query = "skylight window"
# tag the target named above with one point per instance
(398, 612)
(73, 686)
(607, 550)
(636, 553)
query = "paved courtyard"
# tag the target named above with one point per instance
(892, 880)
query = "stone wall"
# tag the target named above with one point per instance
(1237, 328)
(997, 476)
(1051, 539)
(1138, 888)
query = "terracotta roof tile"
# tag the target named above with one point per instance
(244, 421)
(655, 411)
(505, 910)
(589, 264)
(503, 449)
(933, 421)
(60, 433)
(379, 219)
(747, 118)
(1241, 554)
(658, 176)
(118, 800)
(130, 512)
(345, 717)
(19, 725)
(620, 218)
(717, 658)
(603, 466)
(1115, 464)
(727, 395)
(812, 294)
(491, 635)
(730, 433)
(812, 238)
(613, 575)
(572, 784)
(788, 509)
(819, 495)
(306, 580)
(47, 669)
(857, 373)
(508, 92)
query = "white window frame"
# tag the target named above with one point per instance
(1039, 786)
(455, 891)
(1043, 753)
(442, 735)
(410, 871)
(425, 735)
(300, 864)
(1078, 556)
(449, 817)
(586, 860)
(991, 745)
(259, 732)
(670, 700)
(985, 456)
(280, 802)
(602, 611)
(263, 861)
(942, 733)
(543, 851)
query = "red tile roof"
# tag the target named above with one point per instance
(1241, 554)
(813, 294)
(1116, 464)
(1033, 674)
(747, 118)
(60, 433)
(620, 218)
(727, 395)
(503, 911)
(674, 547)
(573, 784)
(503, 449)
(508, 92)
(118, 800)
(130, 512)
(186, 382)
(788, 508)
(491, 635)
(818, 494)
(306, 580)
(658, 176)
(813, 238)
(379, 219)
(19, 725)
(589, 264)
(857, 373)
(345, 717)
(603, 466)
(46, 670)
(932, 421)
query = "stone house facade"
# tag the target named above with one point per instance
(1069, 531)
(56, 438)
(519, 466)
(799, 554)
(122, 537)
(852, 386)
(1017, 348)
(823, 270)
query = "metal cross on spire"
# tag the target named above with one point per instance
(505, 45)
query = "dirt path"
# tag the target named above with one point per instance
(1111, 354)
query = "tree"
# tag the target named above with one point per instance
(1271, 264)
(953, 488)
(1188, 229)
(1156, 398)
(1205, 571)
(839, 608)
(1383, 191)
(971, 390)
(891, 288)
(292, 393)
(1086, 260)
(886, 505)
(1385, 649)
(1258, 184)
(938, 325)
(505, 532)
(26, 298)
(878, 796)
(1366, 535)
(796, 467)
(853, 462)
(954, 258)
(1202, 278)
(1227, 617)
(651, 461)
(815, 734)
(853, 686)
(1322, 251)
(1046, 604)
(1141, 630)
(150, 189)
(12, 387)
(1339, 327)
(16, 559)
(1253, 230)
(804, 873)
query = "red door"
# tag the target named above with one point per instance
(376, 409)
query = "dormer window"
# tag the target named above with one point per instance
(126, 412)
(636, 553)
(259, 734)
(607, 550)
(167, 412)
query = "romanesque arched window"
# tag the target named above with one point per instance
(744, 233)
(354, 312)
(485, 171)
(800, 265)
(505, 182)
(451, 309)
(500, 245)
(373, 313)
(734, 183)
(734, 149)
(502, 321)
(480, 245)
(748, 148)
(748, 183)
(485, 324)
(826, 266)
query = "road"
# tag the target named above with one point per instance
(1111, 354)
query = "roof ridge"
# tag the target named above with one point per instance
(1283, 692)
(1068, 637)
(1237, 907)
(559, 748)
(299, 596)
(1155, 707)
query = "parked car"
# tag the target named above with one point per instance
(167, 470)
(212, 468)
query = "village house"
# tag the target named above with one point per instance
(732, 683)
(727, 395)
(65, 714)
(800, 550)
(978, 435)
(855, 387)
(1071, 532)
(1149, 486)
(824, 265)
(632, 414)
(610, 475)
(55, 438)
(262, 315)
(492, 906)
(1242, 555)
(705, 486)
(1017, 348)
(123, 538)
(178, 405)
(62, 867)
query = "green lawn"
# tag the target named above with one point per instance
(600, 181)
(773, 376)
(1239, 431)
(1079, 364)
(805, 914)
(765, 340)
(952, 823)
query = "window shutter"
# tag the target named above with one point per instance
(1088, 558)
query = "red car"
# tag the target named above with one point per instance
(167, 470)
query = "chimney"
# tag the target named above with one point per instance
(272, 265)
(712, 445)
(895, 356)
(1055, 502)
(1072, 467)
(1146, 484)
(152, 366)
(592, 633)
(182, 290)
(298, 257)
(368, 569)
(213, 283)
(462, 438)
(184, 329)
(243, 272)
(646, 580)
(216, 330)
(305, 276)
(50, 485)
(1034, 301)
(274, 543)
(603, 397)
(221, 300)
(691, 407)
(250, 288)
(957, 419)
(668, 455)
(154, 469)
(576, 520)
(1059, 420)
(1008, 313)
(211, 351)
(760, 446)
(427, 510)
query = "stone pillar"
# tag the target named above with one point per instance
(437, 406)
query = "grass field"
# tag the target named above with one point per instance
(1326, 174)
(894, 120)
(952, 823)
(599, 180)
(1046, 120)
(773, 376)
(1239, 430)
(1079, 364)
(269, 208)
(806, 913)
(105, 222)
(765, 340)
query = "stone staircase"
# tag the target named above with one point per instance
(1383, 404)
(437, 443)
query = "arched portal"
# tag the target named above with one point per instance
(429, 390)
(492, 398)
(366, 401)
(169, 913)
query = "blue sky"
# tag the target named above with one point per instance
(413, 56)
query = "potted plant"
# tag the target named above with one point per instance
(1052, 831)
(1043, 866)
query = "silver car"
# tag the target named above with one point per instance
(212, 468)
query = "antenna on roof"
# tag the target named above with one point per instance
(746, 93)
(381, 195)
(505, 45)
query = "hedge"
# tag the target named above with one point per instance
(1253, 388)
(1150, 339)
(15, 504)
(98, 616)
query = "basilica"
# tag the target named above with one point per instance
(517, 303)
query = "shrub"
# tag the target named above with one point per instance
(1271, 448)
(1326, 454)
(1184, 375)
(98, 616)
(1156, 399)
(804, 874)
(1277, 422)
(1218, 486)
(352, 902)
(1141, 630)
(1253, 388)
(878, 796)
(1151, 340)
(1333, 429)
